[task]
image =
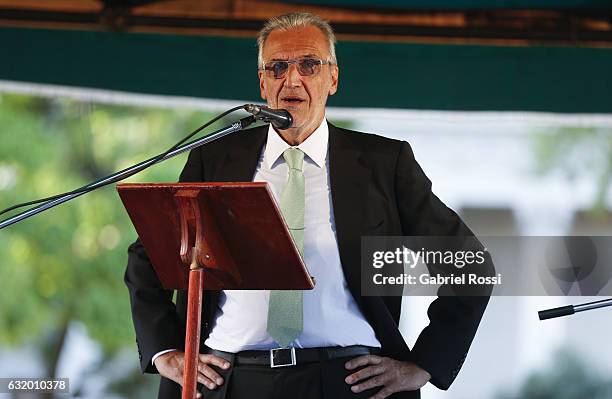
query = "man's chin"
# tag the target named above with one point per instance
(296, 111)
(298, 120)
(298, 123)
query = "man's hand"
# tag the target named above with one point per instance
(393, 375)
(170, 365)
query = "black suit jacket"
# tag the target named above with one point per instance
(377, 189)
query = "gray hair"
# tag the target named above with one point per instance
(296, 20)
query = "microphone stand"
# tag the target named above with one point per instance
(571, 309)
(130, 171)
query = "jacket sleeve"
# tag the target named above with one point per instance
(442, 346)
(156, 322)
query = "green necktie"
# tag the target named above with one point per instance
(285, 311)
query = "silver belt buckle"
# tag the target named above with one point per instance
(282, 357)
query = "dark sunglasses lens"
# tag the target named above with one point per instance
(308, 66)
(279, 68)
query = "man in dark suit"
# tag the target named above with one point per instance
(340, 185)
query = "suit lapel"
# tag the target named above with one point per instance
(241, 156)
(349, 181)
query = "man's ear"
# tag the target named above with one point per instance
(334, 76)
(262, 91)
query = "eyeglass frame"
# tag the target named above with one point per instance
(296, 63)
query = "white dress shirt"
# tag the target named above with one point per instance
(331, 316)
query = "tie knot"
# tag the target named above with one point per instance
(294, 158)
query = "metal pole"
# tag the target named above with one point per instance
(571, 309)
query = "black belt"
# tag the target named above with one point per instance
(292, 356)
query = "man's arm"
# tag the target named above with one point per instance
(442, 346)
(155, 319)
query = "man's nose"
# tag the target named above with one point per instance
(293, 78)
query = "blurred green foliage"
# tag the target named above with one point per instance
(67, 263)
(569, 377)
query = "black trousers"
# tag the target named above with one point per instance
(319, 380)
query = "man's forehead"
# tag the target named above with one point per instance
(296, 42)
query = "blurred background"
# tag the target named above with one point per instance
(507, 104)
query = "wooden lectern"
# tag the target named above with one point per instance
(213, 236)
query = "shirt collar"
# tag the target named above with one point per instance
(315, 146)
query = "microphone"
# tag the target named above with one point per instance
(279, 118)
(572, 309)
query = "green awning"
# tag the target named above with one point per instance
(372, 74)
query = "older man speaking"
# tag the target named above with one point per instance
(333, 186)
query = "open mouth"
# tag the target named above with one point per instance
(292, 100)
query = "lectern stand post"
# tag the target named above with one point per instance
(194, 319)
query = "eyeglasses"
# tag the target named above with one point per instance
(305, 66)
